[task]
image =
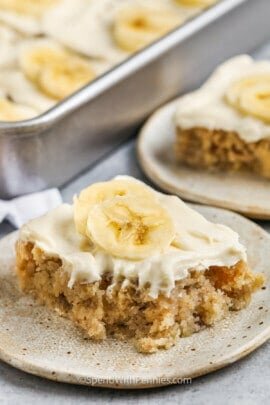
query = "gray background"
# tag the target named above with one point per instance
(246, 382)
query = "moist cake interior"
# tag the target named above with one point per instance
(217, 150)
(127, 312)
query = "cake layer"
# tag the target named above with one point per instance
(105, 308)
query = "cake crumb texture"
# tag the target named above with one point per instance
(222, 150)
(127, 312)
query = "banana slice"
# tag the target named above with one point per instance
(100, 192)
(10, 111)
(251, 96)
(34, 58)
(136, 27)
(56, 72)
(29, 7)
(61, 80)
(131, 228)
(196, 3)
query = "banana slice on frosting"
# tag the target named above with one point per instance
(10, 111)
(135, 27)
(251, 96)
(101, 192)
(57, 72)
(196, 3)
(131, 228)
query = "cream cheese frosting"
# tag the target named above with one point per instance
(198, 244)
(86, 26)
(9, 40)
(25, 24)
(208, 108)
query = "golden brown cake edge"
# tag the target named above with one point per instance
(130, 313)
(216, 150)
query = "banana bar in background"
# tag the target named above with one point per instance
(9, 40)
(225, 125)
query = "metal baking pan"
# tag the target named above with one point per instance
(53, 148)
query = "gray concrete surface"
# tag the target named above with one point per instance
(246, 382)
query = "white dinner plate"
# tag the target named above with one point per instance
(40, 342)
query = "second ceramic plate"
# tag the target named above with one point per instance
(242, 192)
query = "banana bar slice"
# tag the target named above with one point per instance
(129, 262)
(225, 125)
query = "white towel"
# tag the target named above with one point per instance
(21, 209)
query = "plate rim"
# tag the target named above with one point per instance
(153, 173)
(44, 371)
(67, 378)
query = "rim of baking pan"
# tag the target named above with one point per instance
(118, 73)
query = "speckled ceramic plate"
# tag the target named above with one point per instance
(242, 192)
(40, 342)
